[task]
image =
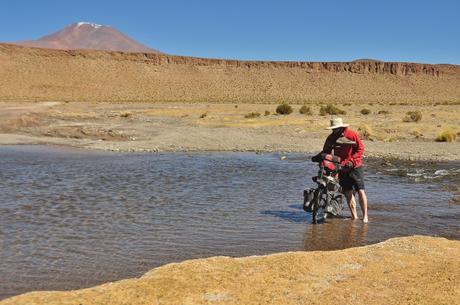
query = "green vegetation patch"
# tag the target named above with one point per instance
(413, 116)
(284, 109)
(331, 109)
(305, 110)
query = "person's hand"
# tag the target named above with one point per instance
(348, 166)
(316, 158)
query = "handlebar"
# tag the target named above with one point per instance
(322, 156)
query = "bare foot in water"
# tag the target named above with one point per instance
(365, 220)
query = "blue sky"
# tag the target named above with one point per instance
(404, 30)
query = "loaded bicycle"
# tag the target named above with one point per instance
(326, 199)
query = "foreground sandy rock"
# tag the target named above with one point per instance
(409, 270)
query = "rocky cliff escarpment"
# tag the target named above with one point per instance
(41, 74)
(410, 270)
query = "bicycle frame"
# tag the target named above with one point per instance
(326, 182)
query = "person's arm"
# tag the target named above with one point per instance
(328, 145)
(358, 150)
(327, 149)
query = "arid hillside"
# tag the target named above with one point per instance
(31, 74)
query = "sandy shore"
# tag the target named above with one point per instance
(409, 270)
(153, 127)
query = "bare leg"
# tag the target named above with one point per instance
(363, 204)
(351, 203)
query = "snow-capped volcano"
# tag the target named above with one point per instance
(94, 25)
(88, 35)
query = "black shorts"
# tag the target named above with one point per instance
(353, 179)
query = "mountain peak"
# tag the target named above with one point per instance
(94, 25)
(85, 35)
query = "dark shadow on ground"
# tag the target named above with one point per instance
(292, 216)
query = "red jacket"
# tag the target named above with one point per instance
(353, 153)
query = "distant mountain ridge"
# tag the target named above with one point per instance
(88, 36)
(89, 75)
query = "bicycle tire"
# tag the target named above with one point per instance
(317, 207)
(316, 202)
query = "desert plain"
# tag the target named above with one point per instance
(162, 127)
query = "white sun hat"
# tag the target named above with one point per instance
(337, 123)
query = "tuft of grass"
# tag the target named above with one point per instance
(365, 132)
(365, 111)
(412, 116)
(267, 112)
(455, 200)
(383, 112)
(305, 110)
(417, 133)
(331, 109)
(446, 136)
(252, 115)
(284, 109)
(126, 115)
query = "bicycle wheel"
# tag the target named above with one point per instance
(316, 204)
(318, 213)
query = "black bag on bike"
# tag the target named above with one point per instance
(334, 203)
(308, 196)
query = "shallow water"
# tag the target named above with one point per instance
(72, 219)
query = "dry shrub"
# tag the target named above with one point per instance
(365, 111)
(203, 115)
(416, 133)
(413, 116)
(267, 112)
(446, 136)
(394, 138)
(383, 112)
(305, 110)
(126, 115)
(331, 109)
(252, 115)
(366, 133)
(284, 109)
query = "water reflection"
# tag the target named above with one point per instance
(338, 233)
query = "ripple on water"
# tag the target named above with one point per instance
(71, 218)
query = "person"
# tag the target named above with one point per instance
(350, 151)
